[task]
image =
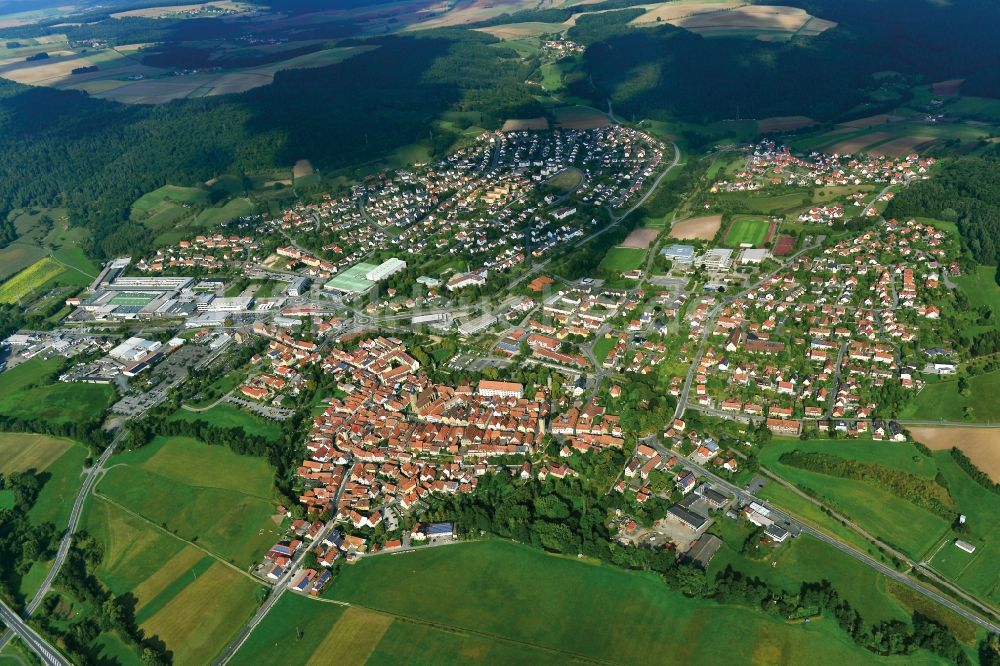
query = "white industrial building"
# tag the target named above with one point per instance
(385, 270)
(134, 349)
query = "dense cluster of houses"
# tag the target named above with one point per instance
(817, 341)
(203, 252)
(770, 164)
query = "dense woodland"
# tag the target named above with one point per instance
(98, 157)
(966, 191)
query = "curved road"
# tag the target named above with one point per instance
(63, 551)
(782, 517)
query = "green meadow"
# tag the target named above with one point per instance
(622, 259)
(591, 610)
(893, 519)
(225, 415)
(31, 391)
(204, 494)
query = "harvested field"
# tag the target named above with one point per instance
(523, 30)
(871, 121)
(355, 635)
(173, 10)
(672, 11)
(772, 18)
(20, 452)
(784, 123)
(856, 144)
(302, 169)
(947, 88)
(641, 238)
(580, 117)
(816, 26)
(474, 11)
(517, 125)
(44, 72)
(981, 445)
(698, 228)
(900, 147)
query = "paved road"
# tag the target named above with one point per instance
(781, 517)
(46, 653)
(67, 540)
(279, 588)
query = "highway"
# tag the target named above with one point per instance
(46, 653)
(783, 518)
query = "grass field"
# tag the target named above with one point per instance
(750, 230)
(941, 400)
(809, 559)
(603, 347)
(61, 460)
(622, 259)
(204, 494)
(896, 521)
(976, 572)
(30, 279)
(230, 416)
(764, 204)
(27, 393)
(590, 610)
(195, 196)
(191, 601)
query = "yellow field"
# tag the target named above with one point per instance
(302, 168)
(871, 121)
(672, 11)
(205, 615)
(22, 451)
(523, 30)
(353, 638)
(29, 279)
(749, 18)
(701, 228)
(165, 575)
(981, 445)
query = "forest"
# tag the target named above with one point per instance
(96, 157)
(964, 190)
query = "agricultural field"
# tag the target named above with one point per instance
(764, 204)
(641, 238)
(779, 124)
(580, 117)
(148, 202)
(749, 230)
(59, 460)
(975, 572)
(204, 494)
(230, 416)
(698, 228)
(171, 582)
(942, 401)
(482, 617)
(765, 22)
(29, 280)
(979, 444)
(622, 259)
(27, 392)
(896, 521)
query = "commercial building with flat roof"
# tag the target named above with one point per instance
(385, 270)
(679, 254)
(353, 280)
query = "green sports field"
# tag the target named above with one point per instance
(745, 229)
(622, 259)
(896, 521)
(204, 494)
